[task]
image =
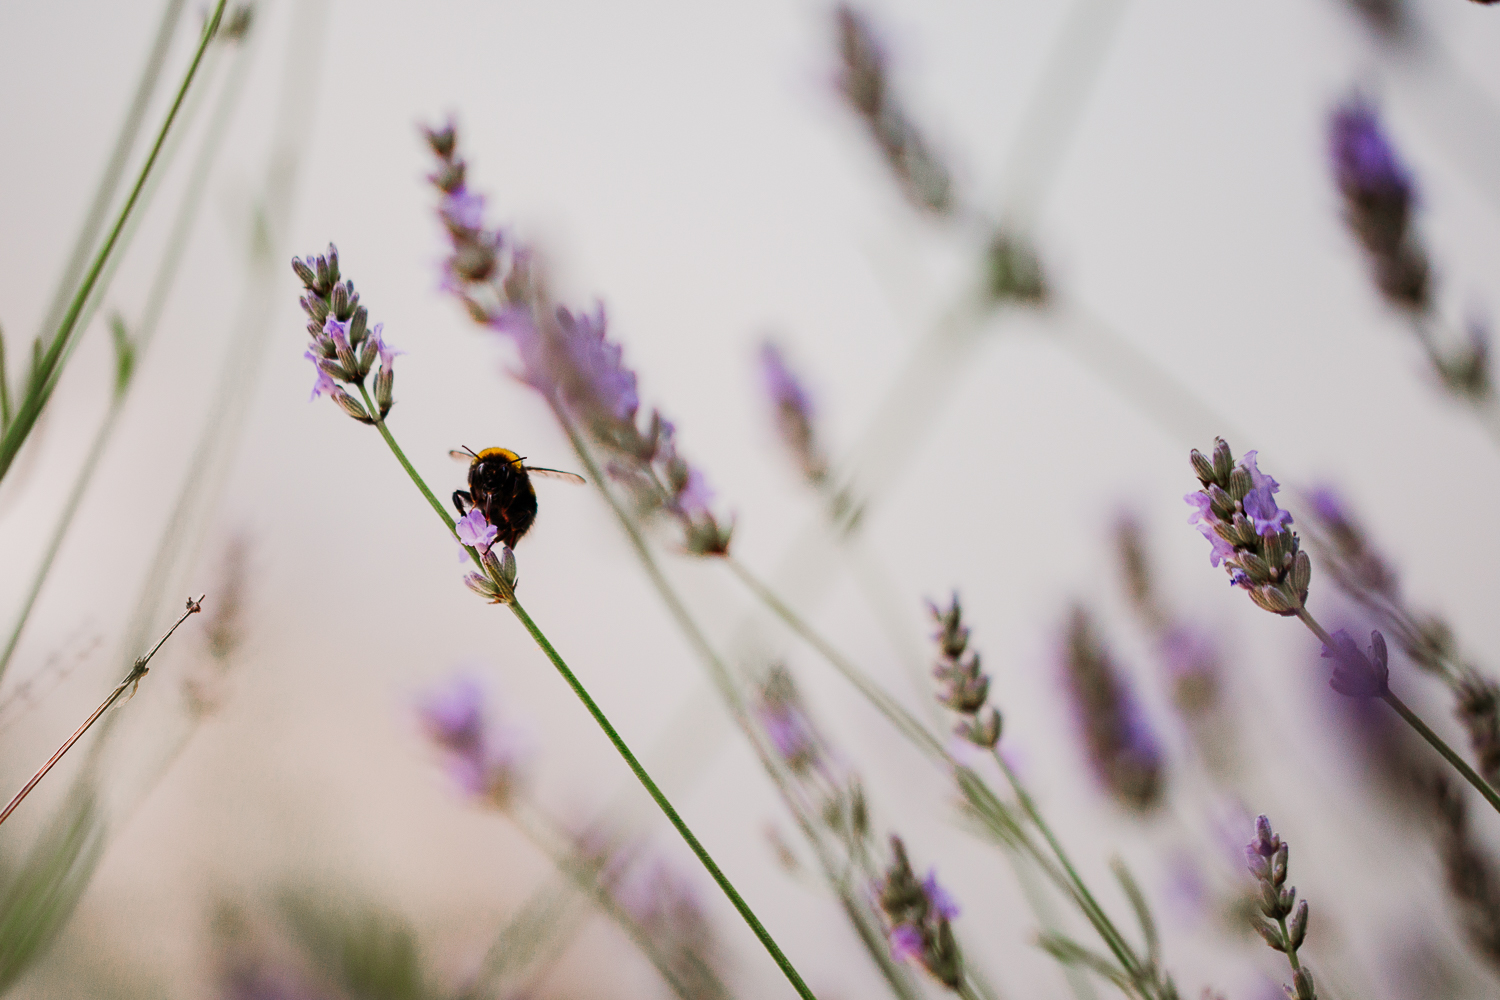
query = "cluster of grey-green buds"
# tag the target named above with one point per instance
(966, 688)
(1236, 511)
(1267, 857)
(344, 348)
(920, 914)
(497, 584)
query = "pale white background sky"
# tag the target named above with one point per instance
(690, 166)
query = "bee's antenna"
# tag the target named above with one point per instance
(469, 450)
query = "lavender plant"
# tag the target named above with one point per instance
(1250, 535)
(1379, 200)
(1267, 857)
(338, 325)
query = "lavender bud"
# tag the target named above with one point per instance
(357, 325)
(314, 305)
(1223, 460)
(324, 282)
(1202, 467)
(1297, 928)
(350, 405)
(385, 380)
(305, 274)
(1270, 932)
(1302, 985)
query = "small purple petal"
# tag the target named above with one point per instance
(939, 898)
(473, 530)
(1258, 479)
(906, 943)
(324, 383)
(1268, 518)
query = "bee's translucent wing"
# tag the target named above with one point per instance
(462, 455)
(567, 477)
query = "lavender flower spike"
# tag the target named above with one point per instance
(1236, 511)
(1267, 858)
(343, 349)
(483, 759)
(1378, 198)
(794, 412)
(920, 915)
(966, 687)
(1123, 750)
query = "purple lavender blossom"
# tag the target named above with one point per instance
(475, 531)
(1264, 514)
(906, 943)
(1120, 744)
(1364, 161)
(324, 383)
(483, 759)
(941, 900)
(1249, 534)
(794, 412)
(463, 208)
(1355, 674)
(1378, 199)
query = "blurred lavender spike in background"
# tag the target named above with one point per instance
(484, 759)
(865, 83)
(1473, 881)
(965, 687)
(919, 913)
(793, 411)
(1268, 858)
(1378, 199)
(1119, 743)
(665, 905)
(1355, 674)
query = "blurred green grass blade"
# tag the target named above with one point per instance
(38, 894)
(371, 952)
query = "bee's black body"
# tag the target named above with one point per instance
(500, 487)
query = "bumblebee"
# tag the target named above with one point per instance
(500, 486)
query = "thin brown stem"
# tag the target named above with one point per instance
(138, 670)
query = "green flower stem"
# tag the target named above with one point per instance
(1080, 890)
(1411, 718)
(44, 376)
(898, 716)
(602, 720)
(156, 299)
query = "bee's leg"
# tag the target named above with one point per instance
(463, 501)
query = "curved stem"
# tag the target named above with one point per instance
(1411, 718)
(614, 737)
(44, 377)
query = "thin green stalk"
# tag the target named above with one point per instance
(114, 167)
(1095, 913)
(903, 720)
(45, 375)
(156, 298)
(1411, 718)
(614, 737)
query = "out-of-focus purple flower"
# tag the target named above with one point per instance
(794, 412)
(474, 531)
(1192, 661)
(919, 915)
(464, 208)
(1119, 743)
(785, 722)
(667, 908)
(1364, 161)
(942, 901)
(1378, 199)
(483, 759)
(595, 378)
(1355, 674)
(906, 943)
